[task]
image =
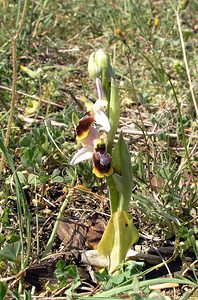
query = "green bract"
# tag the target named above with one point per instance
(113, 113)
(121, 162)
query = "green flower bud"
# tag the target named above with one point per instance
(101, 59)
(93, 70)
(103, 62)
(99, 66)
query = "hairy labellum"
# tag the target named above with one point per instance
(101, 161)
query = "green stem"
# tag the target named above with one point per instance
(113, 195)
(123, 204)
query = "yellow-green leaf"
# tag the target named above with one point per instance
(117, 239)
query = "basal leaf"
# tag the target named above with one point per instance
(118, 237)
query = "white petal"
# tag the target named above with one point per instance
(99, 104)
(102, 120)
(83, 154)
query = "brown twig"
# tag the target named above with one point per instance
(14, 83)
(31, 96)
(13, 100)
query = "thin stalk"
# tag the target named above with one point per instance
(54, 231)
(51, 138)
(182, 131)
(113, 195)
(186, 62)
(37, 219)
(13, 100)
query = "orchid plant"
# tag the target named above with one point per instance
(95, 132)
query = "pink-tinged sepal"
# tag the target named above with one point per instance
(99, 88)
(102, 120)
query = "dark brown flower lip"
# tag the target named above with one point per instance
(101, 163)
(84, 125)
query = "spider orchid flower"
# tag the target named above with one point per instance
(95, 150)
(94, 146)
